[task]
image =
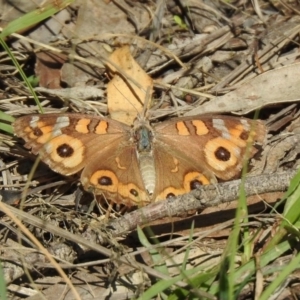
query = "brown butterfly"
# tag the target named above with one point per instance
(141, 164)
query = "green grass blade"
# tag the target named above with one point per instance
(158, 260)
(291, 213)
(203, 280)
(4, 119)
(248, 270)
(23, 75)
(3, 291)
(34, 17)
(281, 277)
(187, 252)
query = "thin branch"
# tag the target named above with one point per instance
(206, 196)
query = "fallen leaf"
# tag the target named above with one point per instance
(47, 68)
(127, 91)
(277, 86)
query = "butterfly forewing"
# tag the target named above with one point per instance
(215, 144)
(67, 142)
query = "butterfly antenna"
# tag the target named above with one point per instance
(147, 100)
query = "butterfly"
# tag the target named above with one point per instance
(145, 163)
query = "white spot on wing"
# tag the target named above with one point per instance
(48, 147)
(237, 151)
(226, 135)
(61, 122)
(219, 124)
(246, 124)
(34, 120)
(56, 132)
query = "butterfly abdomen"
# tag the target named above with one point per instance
(147, 168)
(143, 138)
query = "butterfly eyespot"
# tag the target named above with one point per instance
(134, 192)
(222, 154)
(194, 184)
(37, 132)
(105, 180)
(64, 150)
(244, 136)
(170, 195)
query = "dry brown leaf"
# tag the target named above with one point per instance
(47, 67)
(276, 86)
(126, 92)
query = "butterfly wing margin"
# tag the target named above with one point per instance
(214, 146)
(115, 173)
(66, 142)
